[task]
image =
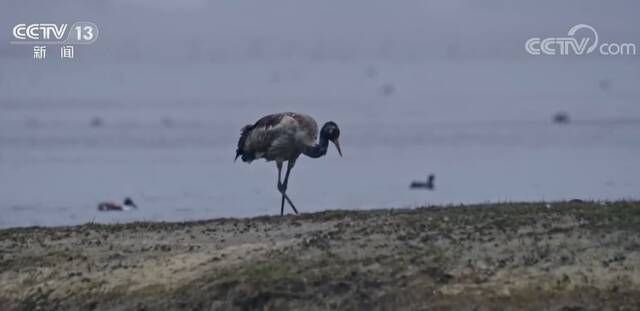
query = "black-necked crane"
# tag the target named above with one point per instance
(283, 137)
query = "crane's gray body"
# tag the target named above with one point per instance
(277, 137)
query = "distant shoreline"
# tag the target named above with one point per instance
(506, 255)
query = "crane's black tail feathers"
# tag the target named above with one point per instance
(243, 138)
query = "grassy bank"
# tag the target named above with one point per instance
(561, 255)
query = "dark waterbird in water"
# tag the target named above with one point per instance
(283, 137)
(429, 185)
(112, 206)
(561, 117)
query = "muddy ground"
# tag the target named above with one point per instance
(558, 256)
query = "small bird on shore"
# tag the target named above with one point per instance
(115, 207)
(283, 137)
(429, 185)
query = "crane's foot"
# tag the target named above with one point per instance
(290, 203)
(286, 197)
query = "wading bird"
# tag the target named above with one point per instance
(283, 137)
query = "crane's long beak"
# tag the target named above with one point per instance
(337, 143)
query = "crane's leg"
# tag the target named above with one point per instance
(282, 187)
(279, 165)
(290, 165)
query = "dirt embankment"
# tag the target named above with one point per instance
(564, 256)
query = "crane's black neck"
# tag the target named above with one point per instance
(317, 150)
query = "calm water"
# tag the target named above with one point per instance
(485, 139)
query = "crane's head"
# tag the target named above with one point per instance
(331, 132)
